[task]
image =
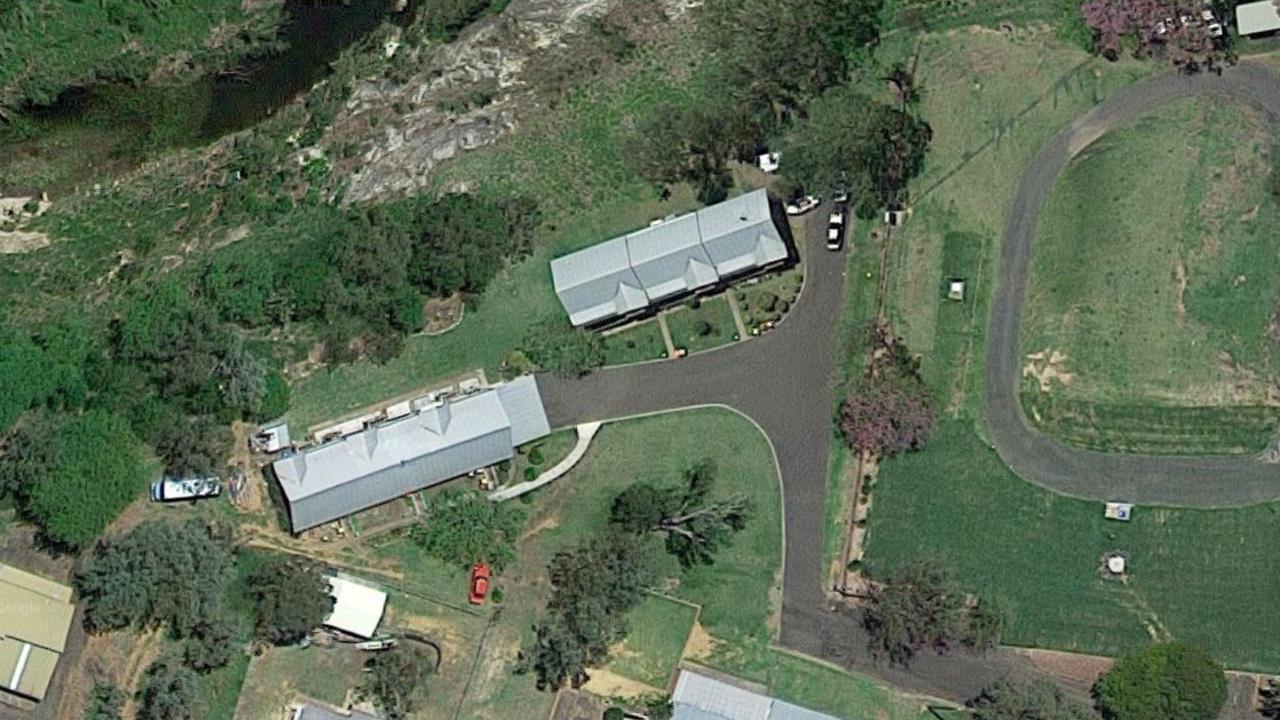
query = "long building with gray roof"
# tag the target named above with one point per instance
(700, 697)
(633, 274)
(437, 442)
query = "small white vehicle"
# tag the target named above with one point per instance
(835, 228)
(802, 205)
(769, 162)
(176, 489)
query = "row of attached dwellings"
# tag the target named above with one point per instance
(630, 276)
(425, 443)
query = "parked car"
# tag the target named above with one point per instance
(479, 583)
(768, 162)
(376, 645)
(175, 489)
(835, 228)
(802, 205)
(841, 196)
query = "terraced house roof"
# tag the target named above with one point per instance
(700, 697)
(35, 617)
(438, 442)
(669, 258)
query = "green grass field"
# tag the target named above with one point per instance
(1156, 274)
(707, 326)
(635, 344)
(655, 641)
(1202, 576)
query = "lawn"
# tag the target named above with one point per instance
(1156, 274)
(1202, 576)
(706, 326)
(636, 343)
(324, 674)
(770, 298)
(655, 642)
(737, 594)
(549, 451)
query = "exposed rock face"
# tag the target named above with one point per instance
(460, 96)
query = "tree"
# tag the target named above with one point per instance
(106, 702)
(693, 524)
(887, 418)
(1165, 681)
(1036, 699)
(73, 474)
(462, 528)
(987, 622)
(167, 691)
(158, 573)
(851, 142)
(918, 606)
(38, 371)
(593, 587)
(1154, 26)
(292, 598)
(211, 644)
(776, 77)
(391, 678)
(555, 346)
(193, 447)
(677, 143)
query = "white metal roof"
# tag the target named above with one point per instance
(668, 258)
(699, 697)
(357, 608)
(1257, 17)
(396, 457)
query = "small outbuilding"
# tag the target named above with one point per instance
(1257, 18)
(955, 290)
(357, 608)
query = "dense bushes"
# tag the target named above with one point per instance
(72, 474)
(461, 528)
(1166, 681)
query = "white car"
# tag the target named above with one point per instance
(800, 206)
(174, 489)
(769, 162)
(835, 228)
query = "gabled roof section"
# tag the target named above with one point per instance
(597, 283)
(1257, 17)
(700, 697)
(669, 258)
(399, 456)
(35, 618)
(739, 234)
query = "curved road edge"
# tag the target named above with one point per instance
(1185, 481)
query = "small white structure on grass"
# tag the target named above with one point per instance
(955, 290)
(1119, 511)
(769, 162)
(1256, 18)
(1116, 564)
(357, 608)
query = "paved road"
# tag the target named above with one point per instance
(1188, 481)
(784, 381)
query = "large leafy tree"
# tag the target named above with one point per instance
(391, 680)
(166, 573)
(167, 691)
(73, 474)
(887, 418)
(1165, 681)
(693, 523)
(106, 702)
(777, 54)
(461, 528)
(1035, 699)
(694, 144)
(292, 598)
(918, 606)
(39, 370)
(593, 587)
(852, 142)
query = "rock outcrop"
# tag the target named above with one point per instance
(460, 96)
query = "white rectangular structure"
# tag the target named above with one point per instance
(1256, 18)
(357, 609)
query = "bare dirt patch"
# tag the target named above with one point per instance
(15, 242)
(607, 684)
(1046, 367)
(443, 314)
(700, 644)
(549, 522)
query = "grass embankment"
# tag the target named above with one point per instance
(574, 156)
(1157, 276)
(1200, 576)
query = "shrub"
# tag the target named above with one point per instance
(614, 713)
(530, 473)
(1166, 681)
(496, 596)
(536, 456)
(704, 328)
